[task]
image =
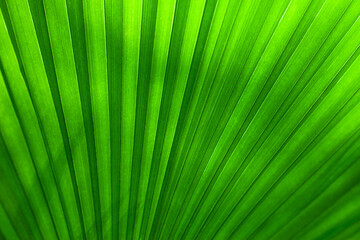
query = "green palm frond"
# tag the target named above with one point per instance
(179, 119)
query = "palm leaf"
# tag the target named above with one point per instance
(180, 119)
